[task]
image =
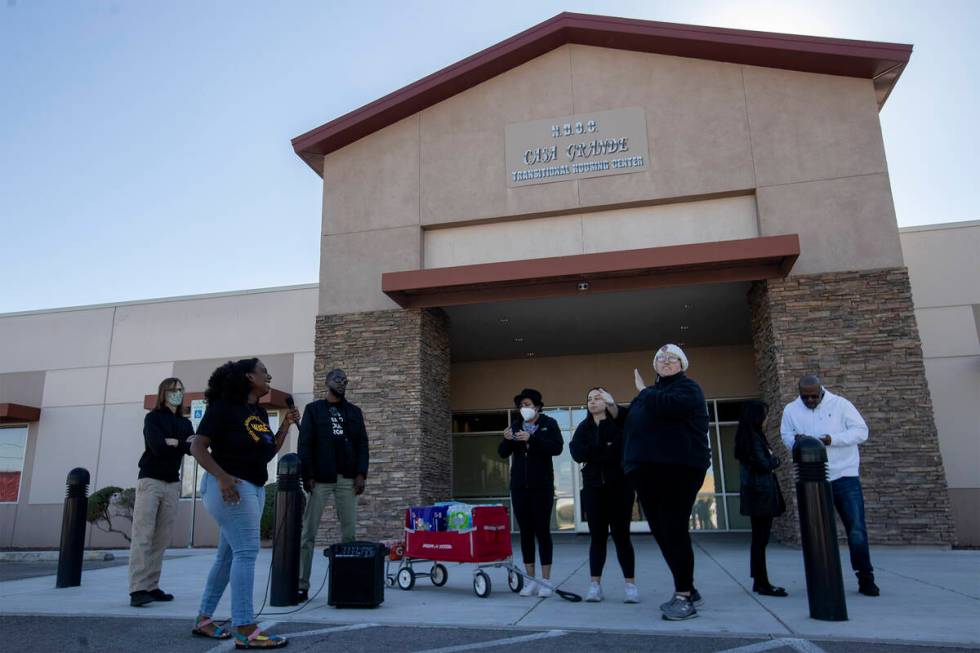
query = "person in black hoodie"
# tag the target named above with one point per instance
(607, 497)
(761, 497)
(166, 434)
(333, 450)
(666, 457)
(532, 440)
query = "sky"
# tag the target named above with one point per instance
(145, 146)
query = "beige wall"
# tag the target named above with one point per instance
(808, 146)
(564, 380)
(943, 269)
(89, 370)
(602, 231)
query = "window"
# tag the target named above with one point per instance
(481, 476)
(13, 444)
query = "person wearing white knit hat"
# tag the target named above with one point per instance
(666, 456)
(671, 358)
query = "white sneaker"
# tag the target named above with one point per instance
(594, 594)
(544, 592)
(632, 594)
(530, 588)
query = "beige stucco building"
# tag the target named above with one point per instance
(546, 213)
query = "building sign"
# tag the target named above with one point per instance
(576, 147)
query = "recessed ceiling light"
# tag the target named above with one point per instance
(519, 339)
(684, 327)
(530, 354)
(688, 305)
(504, 320)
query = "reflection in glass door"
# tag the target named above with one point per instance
(481, 476)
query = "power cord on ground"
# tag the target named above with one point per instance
(268, 583)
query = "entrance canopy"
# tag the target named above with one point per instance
(654, 267)
(17, 413)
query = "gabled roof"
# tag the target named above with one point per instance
(880, 62)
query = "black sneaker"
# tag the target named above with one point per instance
(159, 595)
(868, 587)
(303, 596)
(140, 598)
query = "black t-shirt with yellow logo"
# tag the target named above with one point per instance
(241, 441)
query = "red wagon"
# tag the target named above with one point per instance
(486, 543)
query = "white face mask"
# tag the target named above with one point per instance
(528, 413)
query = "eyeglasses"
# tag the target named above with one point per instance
(668, 359)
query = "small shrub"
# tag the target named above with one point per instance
(110, 502)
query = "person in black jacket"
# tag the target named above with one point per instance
(166, 434)
(333, 450)
(607, 497)
(531, 441)
(761, 497)
(666, 457)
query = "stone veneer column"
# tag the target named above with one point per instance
(398, 365)
(857, 330)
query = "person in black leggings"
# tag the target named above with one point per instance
(532, 440)
(665, 456)
(607, 497)
(761, 497)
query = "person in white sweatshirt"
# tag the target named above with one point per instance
(818, 413)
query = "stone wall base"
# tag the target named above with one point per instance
(857, 331)
(398, 365)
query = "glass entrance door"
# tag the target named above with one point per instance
(481, 476)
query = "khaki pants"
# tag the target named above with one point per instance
(153, 520)
(344, 501)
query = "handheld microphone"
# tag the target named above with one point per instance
(290, 404)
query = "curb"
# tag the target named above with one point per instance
(51, 556)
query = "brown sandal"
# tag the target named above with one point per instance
(216, 633)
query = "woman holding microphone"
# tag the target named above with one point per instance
(234, 445)
(607, 496)
(533, 440)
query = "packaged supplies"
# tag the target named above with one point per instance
(460, 516)
(396, 548)
(428, 518)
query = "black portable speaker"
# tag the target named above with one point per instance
(357, 574)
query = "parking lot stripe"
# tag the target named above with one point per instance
(324, 631)
(496, 642)
(801, 645)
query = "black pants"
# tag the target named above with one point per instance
(532, 508)
(667, 494)
(761, 527)
(609, 509)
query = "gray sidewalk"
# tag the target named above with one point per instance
(928, 596)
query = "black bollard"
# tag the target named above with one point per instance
(288, 529)
(818, 532)
(73, 529)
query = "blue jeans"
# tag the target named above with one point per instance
(238, 546)
(849, 502)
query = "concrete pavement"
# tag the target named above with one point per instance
(928, 596)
